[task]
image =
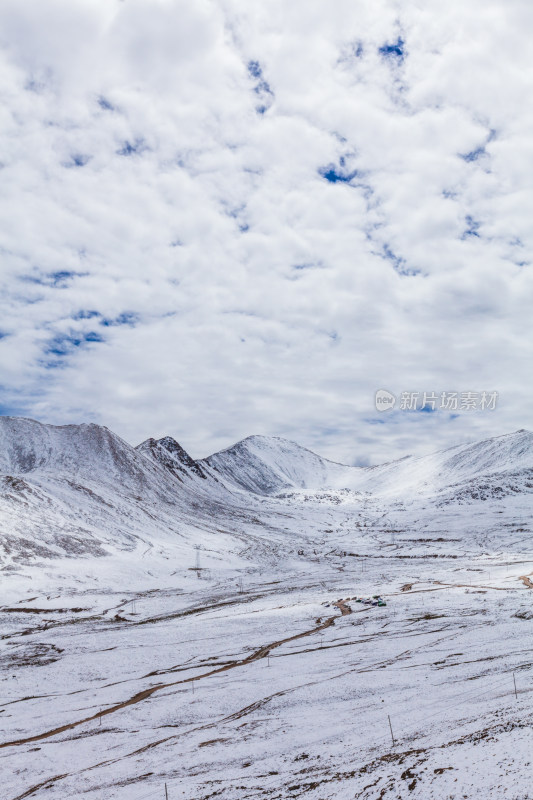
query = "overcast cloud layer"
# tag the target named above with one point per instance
(225, 218)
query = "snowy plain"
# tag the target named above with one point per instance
(197, 624)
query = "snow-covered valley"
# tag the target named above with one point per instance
(195, 628)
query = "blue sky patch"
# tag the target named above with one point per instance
(61, 277)
(339, 174)
(132, 148)
(63, 344)
(104, 103)
(254, 69)
(86, 314)
(78, 160)
(126, 318)
(397, 261)
(11, 410)
(472, 228)
(474, 154)
(394, 51)
(57, 280)
(261, 88)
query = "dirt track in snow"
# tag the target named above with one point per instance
(527, 581)
(263, 652)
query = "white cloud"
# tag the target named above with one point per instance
(173, 260)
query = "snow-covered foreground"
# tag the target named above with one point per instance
(254, 684)
(228, 657)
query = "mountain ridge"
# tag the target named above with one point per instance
(80, 490)
(259, 464)
(171, 455)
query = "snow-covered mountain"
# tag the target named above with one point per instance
(269, 464)
(263, 465)
(79, 490)
(168, 453)
(93, 453)
(497, 460)
(89, 452)
(183, 618)
(82, 490)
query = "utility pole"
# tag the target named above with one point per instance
(197, 566)
(166, 792)
(514, 681)
(391, 733)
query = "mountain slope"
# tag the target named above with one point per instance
(268, 464)
(77, 451)
(80, 490)
(499, 457)
(168, 453)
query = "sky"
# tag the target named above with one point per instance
(226, 218)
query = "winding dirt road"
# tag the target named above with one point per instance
(263, 652)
